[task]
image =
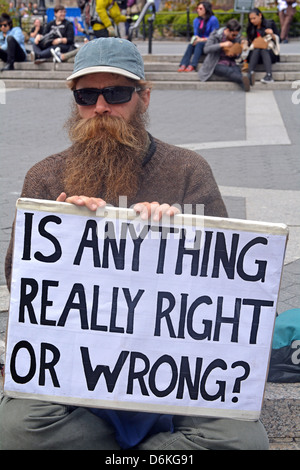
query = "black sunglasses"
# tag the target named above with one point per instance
(3, 24)
(111, 94)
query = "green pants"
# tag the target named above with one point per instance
(36, 425)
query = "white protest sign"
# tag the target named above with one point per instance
(109, 311)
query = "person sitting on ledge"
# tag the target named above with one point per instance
(203, 25)
(112, 155)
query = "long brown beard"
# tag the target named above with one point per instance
(106, 156)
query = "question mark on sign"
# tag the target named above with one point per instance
(238, 380)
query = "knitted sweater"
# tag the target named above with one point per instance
(170, 175)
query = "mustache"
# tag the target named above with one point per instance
(85, 130)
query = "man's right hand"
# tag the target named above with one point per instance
(226, 44)
(92, 203)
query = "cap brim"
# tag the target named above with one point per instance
(103, 68)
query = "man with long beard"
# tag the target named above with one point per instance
(112, 156)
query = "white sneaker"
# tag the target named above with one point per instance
(56, 54)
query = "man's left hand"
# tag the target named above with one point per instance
(155, 210)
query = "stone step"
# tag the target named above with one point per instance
(161, 69)
(153, 65)
(158, 85)
(193, 76)
(217, 85)
(172, 67)
(148, 58)
(59, 74)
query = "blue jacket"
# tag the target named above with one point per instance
(211, 25)
(17, 34)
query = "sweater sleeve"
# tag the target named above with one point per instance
(69, 33)
(212, 24)
(102, 13)
(212, 44)
(202, 190)
(195, 26)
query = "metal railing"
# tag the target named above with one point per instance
(141, 20)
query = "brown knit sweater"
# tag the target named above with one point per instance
(170, 175)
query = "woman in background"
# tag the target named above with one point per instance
(262, 51)
(203, 25)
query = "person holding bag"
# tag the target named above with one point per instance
(59, 32)
(263, 39)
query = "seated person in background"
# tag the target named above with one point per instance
(12, 43)
(57, 54)
(263, 39)
(35, 30)
(203, 25)
(222, 48)
(59, 32)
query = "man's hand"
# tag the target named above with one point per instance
(58, 41)
(226, 44)
(146, 210)
(92, 203)
(155, 210)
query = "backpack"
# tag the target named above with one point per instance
(285, 354)
(89, 13)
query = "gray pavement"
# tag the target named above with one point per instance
(251, 142)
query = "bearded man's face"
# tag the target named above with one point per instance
(109, 143)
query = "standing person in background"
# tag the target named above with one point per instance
(203, 25)
(12, 43)
(286, 12)
(133, 10)
(105, 14)
(262, 36)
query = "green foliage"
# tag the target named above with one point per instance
(174, 23)
(3, 6)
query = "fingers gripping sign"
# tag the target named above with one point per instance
(91, 203)
(147, 210)
(155, 210)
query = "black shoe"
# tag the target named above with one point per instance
(8, 67)
(267, 79)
